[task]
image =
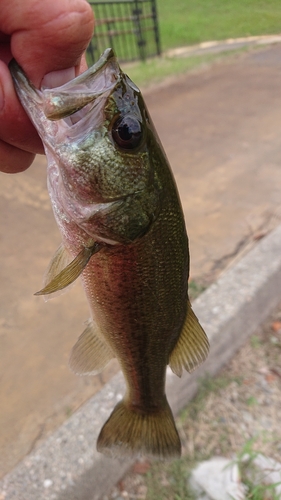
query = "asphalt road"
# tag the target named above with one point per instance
(220, 127)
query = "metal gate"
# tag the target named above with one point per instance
(130, 27)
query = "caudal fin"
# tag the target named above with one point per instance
(128, 432)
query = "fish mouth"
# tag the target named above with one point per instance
(69, 99)
(74, 95)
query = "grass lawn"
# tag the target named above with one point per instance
(186, 22)
(155, 70)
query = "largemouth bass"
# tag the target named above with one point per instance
(122, 226)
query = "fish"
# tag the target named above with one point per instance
(123, 233)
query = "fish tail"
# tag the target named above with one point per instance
(130, 432)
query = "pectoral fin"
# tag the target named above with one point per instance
(70, 273)
(192, 346)
(90, 354)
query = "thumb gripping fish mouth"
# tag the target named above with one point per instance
(63, 101)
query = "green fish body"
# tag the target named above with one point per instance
(117, 206)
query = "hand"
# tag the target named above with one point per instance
(48, 39)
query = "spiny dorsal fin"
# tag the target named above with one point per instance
(192, 346)
(90, 354)
(71, 272)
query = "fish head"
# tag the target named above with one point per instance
(97, 136)
(94, 127)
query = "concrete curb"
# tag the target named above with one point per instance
(217, 46)
(67, 467)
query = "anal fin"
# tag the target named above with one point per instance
(192, 346)
(90, 354)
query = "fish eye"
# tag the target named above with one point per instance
(127, 132)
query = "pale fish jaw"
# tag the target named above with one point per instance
(88, 120)
(88, 91)
(63, 101)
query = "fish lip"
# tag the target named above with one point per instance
(71, 97)
(22, 83)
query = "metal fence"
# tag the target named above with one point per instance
(130, 27)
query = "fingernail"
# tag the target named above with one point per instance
(58, 78)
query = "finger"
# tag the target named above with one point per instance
(5, 49)
(83, 64)
(57, 78)
(44, 37)
(47, 36)
(15, 126)
(14, 160)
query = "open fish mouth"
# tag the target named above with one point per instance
(74, 100)
(74, 95)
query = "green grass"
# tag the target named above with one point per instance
(255, 342)
(257, 489)
(252, 401)
(207, 385)
(194, 289)
(186, 22)
(156, 70)
(169, 481)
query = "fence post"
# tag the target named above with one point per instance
(155, 25)
(92, 50)
(138, 29)
(128, 26)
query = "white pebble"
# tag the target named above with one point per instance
(47, 483)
